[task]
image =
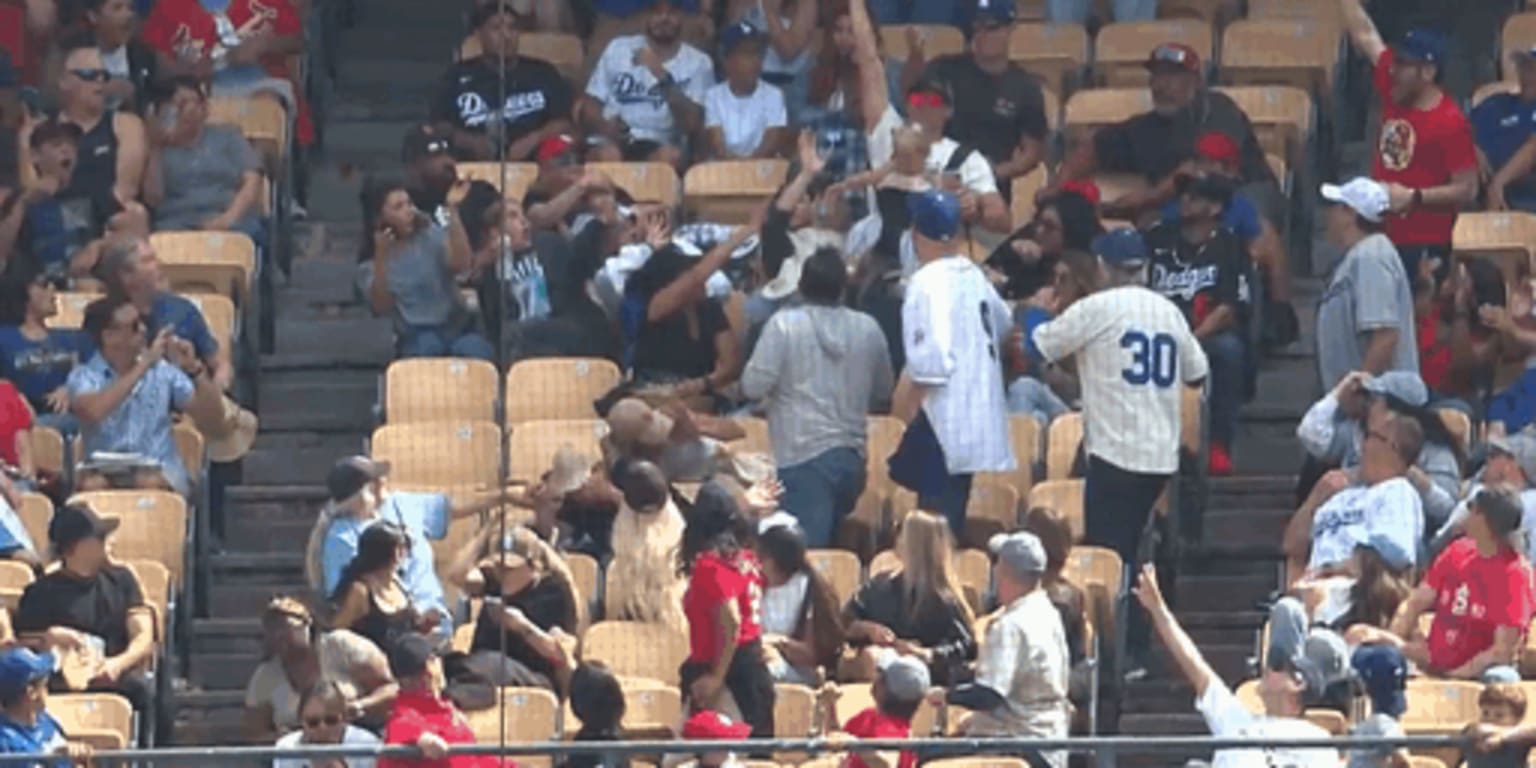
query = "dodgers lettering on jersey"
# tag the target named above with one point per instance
(475, 113)
(1184, 283)
(1134, 350)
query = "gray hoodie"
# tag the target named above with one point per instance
(821, 370)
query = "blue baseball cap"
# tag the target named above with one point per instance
(1120, 248)
(738, 33)
(1384, 672)
(994, 11)
(1423, 45)
(21, 667)
(1391, 552)
(935, 214)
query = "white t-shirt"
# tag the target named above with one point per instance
(1134, 352)
(630, 91)
(1391, 508)
(1228, 718)
(953, 326)
(352, 736)
(1024, 658)
(340, 652)
(744, 119)
(975, 172)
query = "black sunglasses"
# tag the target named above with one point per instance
(316, 722)
(92, 75)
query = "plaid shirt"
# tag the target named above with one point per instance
(841, 140)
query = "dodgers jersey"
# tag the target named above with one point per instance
(1134, 350)
(953, 325)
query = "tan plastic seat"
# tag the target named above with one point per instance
(938, 40)
(214, 262)
(1324, 10)
(1439, 706)
(1121, 48)
(1061, 443)
(1024, 434)
(521, 715)
(1098, 107)
(70, 309)
(988, 761)
(993, 508)
(1064, 496)
(1247, 694)
(1024, 190)
(585, 574)
(14, 578)
(796, 715)
(1519, 34)
(840, 568)
(47, 449)
(153, 527)
(1282, 117)
(558, 387)
(565, 52)
(103, 718)
(1297, 52)
(1098, 572)
(261, 118)
(219, 313)
(463, 638)
(519, 176)
(155, 584)
(1054, 53)
(883, 435)
(36, 511)
(445, 456)
(974, 569)
(533, 444)
(1506, 237)
(730, 191)
(884, 561)
(649, 705)
(636, 649)
(645, 182)
(190, 446)
(428, 389)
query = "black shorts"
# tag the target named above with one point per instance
(749, 682)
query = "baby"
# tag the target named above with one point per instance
(907, 168)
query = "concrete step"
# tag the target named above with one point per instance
(1260, 528)
(1224, 592)
(318, 401)
(223, 671)
(210, 718)
(285, 458)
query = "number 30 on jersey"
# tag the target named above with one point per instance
(1154, 359)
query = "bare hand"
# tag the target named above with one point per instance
(1147, 592)
(909, 648)
(182, 354)
(432, 746)
(1497, 318)
(383, 242)
(457, 192)
(879, 634)
(763, 496)
(917, 40)
(156, 350)
(1399, 197)
(78, 752)
(811, 161)
(58, 400)
(1496, 201)
(658, 229)
(829, 693)
(593, 179)
(1485, 737)
(1362, 634)
(970, 205)
(107, 673)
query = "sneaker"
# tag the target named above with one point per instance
(1220, 464)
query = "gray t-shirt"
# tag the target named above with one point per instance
(201, 180)
(419, 279)
(1368, 291)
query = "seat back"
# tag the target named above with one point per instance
(1121, 48)
(533, 444)
(645, 182)
(155, 584)
(1024, 190)
(558, 387)
(1505, 237)
(938, 40)
(449, 389)
(636, 649)
(153, 526)
(585, 572)
(566, 52)
(212, 262)
(521, 715)
(731, 191)
(48, 449)
(1440, 706)
(1282, 116)
(14, 578)
(1062, 441)
(978, 761)
(263, 121)
(219, 313)
(1054, 53)
(757, 439)
(992, 508)
(1296, 52)
(519, 176)
(840, 568)
(444, 455)
(93, 712)
(1098, 107)
(1064, 496)
(36, 512)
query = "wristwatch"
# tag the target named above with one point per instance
(1418, 199)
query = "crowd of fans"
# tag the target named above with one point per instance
(852, 290)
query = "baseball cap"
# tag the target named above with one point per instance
(929, 89)
(631, 420)
(1120, 248)
(1402, 385)
(904, 677)
(1500, 505)
(1217, 147)
(1520, 446)
(709, 724)
(1384, 673)
(554, 146)
(1424, 45)
(994, 11)
(1364, 196)
(935, 214)
(569, 470)
(349, 475)
(76, 522)
(421, 141)
(1084, 188)
(738, 33)
(20, 667)
(1208, 186)
(1321, 660)
(1021, 551)
(1380, 726)
(53, 130)
(410, 654)
(1175, 56)
(1390, 551)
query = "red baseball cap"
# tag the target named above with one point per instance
(709, 724)
(554, 147)
(1216, 146)
(1084, 188)
(1176, 55)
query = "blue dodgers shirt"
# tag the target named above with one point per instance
(46, 736)
(1500, 125)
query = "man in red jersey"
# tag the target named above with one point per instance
(1424, 154)
(423, 716)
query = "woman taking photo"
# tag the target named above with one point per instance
(802, 623)
(725, 589)
(409, 269)
(919, 609)
(369, 598)
(298, 656)
(200, 176)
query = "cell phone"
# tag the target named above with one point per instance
(31, 100)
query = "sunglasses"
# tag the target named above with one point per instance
(92, 75)
(437, 146)
(327, 720)
(920, 100)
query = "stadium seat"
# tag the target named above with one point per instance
(974, 569)
(1024, 433)
(1282, 117)
(993, 508)
(1100, 573)
(1062, 441)
(796, 715)
(884, 434)
(1425, 761)
(565, 52)
(1333, 722)
(586, 575)
(155, 584)
(636, 649)
(1206, 10)
(533, 444)
(1519, 34)
(1295, 52)
(1098, 107)
(14, 578)
(519, 176)
(840, 568)
(153, 527)
(884, 561)
(1054, 53)
(1024, 190)
(70, 309)
(757, 439)
(100, 718)
(731, 191)
(645, 182)
(938, 40)
(977, 761)
(444, 456)
(860, 530)
(1506, 237)
(35, 512)
(191, 447)
(650, 706)
(1324, 10)
(1121, 48)
(216, 262)
(463, 637)
(262, 119)
(219, 313)
(48, 449)
(1438, 706)
(427, 389)
(1064, 496)
(558, 387)
(521, 715)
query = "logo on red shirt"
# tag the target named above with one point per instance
(1397, 144)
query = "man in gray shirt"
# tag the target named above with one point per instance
(821, 367)
(1365, 319)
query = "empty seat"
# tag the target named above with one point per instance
(974, 569)
(155, 584)
(730, 191)
(1064, 496)
(14, 578)
(91, 716)
(645, 182)
(650, 705)
(1296, 52)
(533, 444)
(938, 40)
(1121, 49)
(424, 389)
(1100, 573)
(992, 508)
(48, 449)
(190, 447)
(636, 649)
(1282, 117)
(1098, 107)
(565, 52)
(1062, 441)
(1506, 237)
(521, 715)
(153, 526)
(219, 313)
(440, 455)
(1054, 53)
(519, 176)
(585, 574)
(796, 715)
(840, 568)
(216, 262)
(558, 387)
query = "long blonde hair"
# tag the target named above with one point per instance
(926, 550)
(643, 583)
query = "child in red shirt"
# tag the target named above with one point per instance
(898, 690)
(422, 716)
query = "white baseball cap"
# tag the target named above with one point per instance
(1365, 196)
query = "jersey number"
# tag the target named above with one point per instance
(1153, 359)
(986, 329)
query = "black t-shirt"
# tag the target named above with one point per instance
(547, 604)
(940, 625)
(1153, 145)
(1198, 278)
(97, 605)
(664, 349)
(1023, 280)
(992, 112)
(536, 94)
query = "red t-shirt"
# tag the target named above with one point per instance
(1420, 148)
(15, 416)
(416, 713)
(1434, 353)
(1475, 595)
(182, 29)
(874, 724)
(715, 580)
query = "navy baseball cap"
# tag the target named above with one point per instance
(935, 214)
(1384, 673)
(738, 33)
(686, 6)
(1120, 248)
(1424, 45)
(21, 667)
(993, 11)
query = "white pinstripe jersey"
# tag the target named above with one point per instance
(1134, 350)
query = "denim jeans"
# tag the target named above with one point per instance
(437, 342)
(1029, 395)
(822, 491)
(1229, 362)
(1077, 11)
